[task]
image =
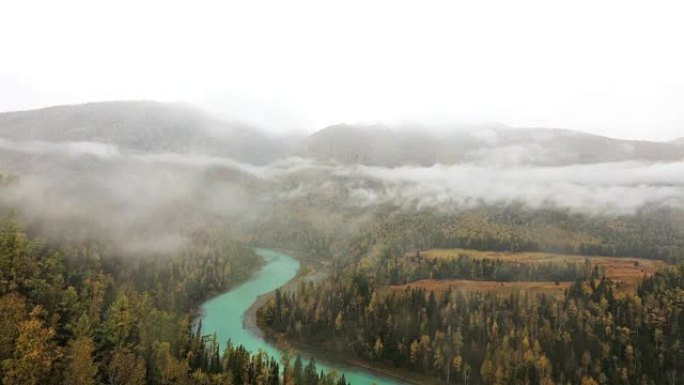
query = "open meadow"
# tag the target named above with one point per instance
(625, 272)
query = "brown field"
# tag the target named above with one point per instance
(625, 272)
(505, 288)
(617, 268)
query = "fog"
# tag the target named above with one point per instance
(153, 200)
(92, 191)
(607, 188)
(610, 67)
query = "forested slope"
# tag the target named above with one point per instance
(587, 335)
(76, 314)
(652, 232)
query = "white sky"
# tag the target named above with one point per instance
(610, 67)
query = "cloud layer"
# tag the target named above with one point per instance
(150, 200)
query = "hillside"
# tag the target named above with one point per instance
(141, 126)
(145, 126)
(496, 145)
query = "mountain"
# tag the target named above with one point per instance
(380, 145)
(145, 126)
(370, 145)
(142, 126)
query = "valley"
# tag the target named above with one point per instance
(341, 193)
(145, 242)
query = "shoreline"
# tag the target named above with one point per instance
(345, 359)
(342, 360)
(249, 318)
(196, 310)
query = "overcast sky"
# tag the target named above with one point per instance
(609, 67)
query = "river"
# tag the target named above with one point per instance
(224, 316)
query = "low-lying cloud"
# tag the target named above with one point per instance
(147, 201)
(620, 187)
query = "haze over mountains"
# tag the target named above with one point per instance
(492, 144)
(143, 126)
(146, 171)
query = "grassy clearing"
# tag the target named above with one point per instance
(626, 272)
(500, 288)
(624, 268)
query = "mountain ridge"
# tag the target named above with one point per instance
(496, 144)
(141, 126)
(150, 126)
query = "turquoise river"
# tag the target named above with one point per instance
(224, 316)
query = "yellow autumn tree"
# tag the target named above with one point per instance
(125, 368)
(34, 353)
(81, 368)
(13, 311)
(170, 370)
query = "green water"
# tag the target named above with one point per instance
(223, 315)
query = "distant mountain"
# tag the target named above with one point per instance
(141, 126)
(371, 145)
(495, 144)
(145, 126)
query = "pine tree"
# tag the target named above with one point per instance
(298, 371)
(310, 374)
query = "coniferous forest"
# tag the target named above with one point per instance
(153, 243)
(73, 314)
(311, 192)
(588, 335)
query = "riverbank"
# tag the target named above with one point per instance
(344, 359)
(316, 270)
(309, 269)
(195, 312)
(224, 316)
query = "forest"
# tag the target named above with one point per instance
(651, 232)
(413, 268)
(588, 335)
(326, 228)
(75, 314)
(591, 334)
(316, 192)
(84, 305)
(85, 313)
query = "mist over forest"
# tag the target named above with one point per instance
(125, 224)
(341, 193)
(148, 172)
